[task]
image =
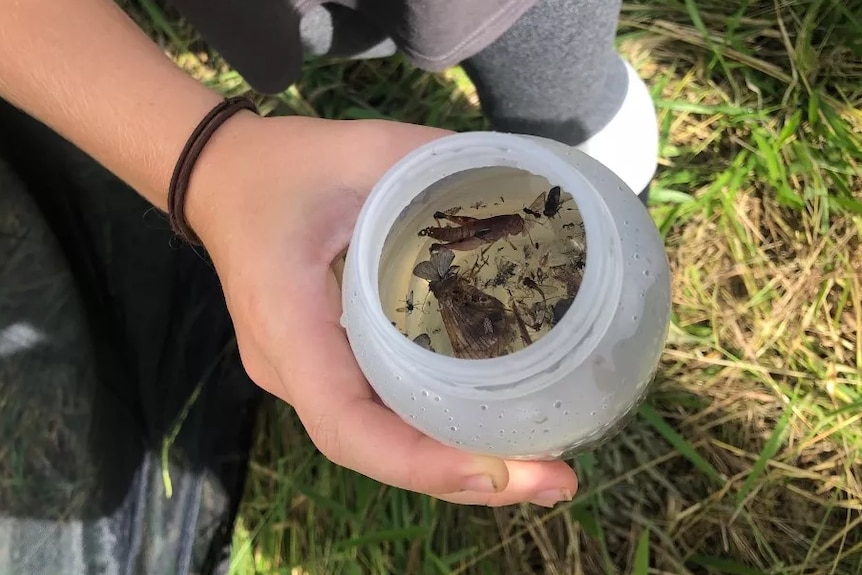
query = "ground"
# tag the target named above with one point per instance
(746, 458)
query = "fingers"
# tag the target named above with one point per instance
(338, 410)
(544, 483)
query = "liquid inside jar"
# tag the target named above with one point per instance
(484, 263)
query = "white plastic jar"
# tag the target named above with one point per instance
(566, 392)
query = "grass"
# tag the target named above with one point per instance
(746, 459)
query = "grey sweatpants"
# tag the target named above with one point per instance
(116, 347)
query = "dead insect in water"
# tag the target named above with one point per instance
(560, 308)
(470, 233)
(424, 340)
(409, 305)
(522, 326)
(478, 325)
(451, 211)
(571, 275)
(478, 205)
(530, 283)
(552, 204)
(535, 208)
(506, 270)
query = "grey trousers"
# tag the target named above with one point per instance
(116, 350)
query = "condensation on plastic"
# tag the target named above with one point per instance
(570, 390)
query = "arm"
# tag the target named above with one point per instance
(86, 70)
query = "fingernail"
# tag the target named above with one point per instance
(483, 483)
(551, 497)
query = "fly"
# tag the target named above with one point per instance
(409, 305)
(552, 204)
(478, 325)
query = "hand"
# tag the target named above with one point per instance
(275, 201)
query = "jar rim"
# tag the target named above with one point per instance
(563, 347)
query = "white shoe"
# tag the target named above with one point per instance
(628, 144)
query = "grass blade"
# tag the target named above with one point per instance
(641, 565)
(685, 448)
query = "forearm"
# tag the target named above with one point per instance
(87, 71)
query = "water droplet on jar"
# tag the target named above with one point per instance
(424, 393)
(458, 442)
(634, 318)
(483, 407)
(398, 377)
(453, 428)
(566, 412)
(592, 413)
(636, 256)
(436, 398)
(446, 410)
(646, 273)
(558, 404)
(539, 418)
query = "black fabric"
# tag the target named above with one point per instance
(136, 349)
(261, 38)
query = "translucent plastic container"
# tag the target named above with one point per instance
(569, 390)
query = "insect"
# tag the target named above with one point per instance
(470, 233)
(450, 212)
(478, 205)
(571, 275)
(424, 340)
(478, 325)
(506, 270)
(552, 204)
(522, 326)
(560, 308)
(409, 305)
(535, 208)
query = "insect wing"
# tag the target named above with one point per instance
(477, 324)
(537, 206)
(426, 270)
(424, 340)
(442, 261)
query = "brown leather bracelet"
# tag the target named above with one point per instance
(186, 161)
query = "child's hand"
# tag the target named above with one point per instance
(275, 201)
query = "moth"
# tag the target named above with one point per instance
(478, 325)
(424, 340)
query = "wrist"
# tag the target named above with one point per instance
(218, 178)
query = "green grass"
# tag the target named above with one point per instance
(746, 459)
